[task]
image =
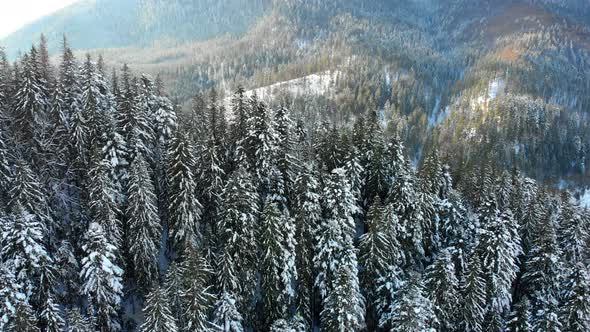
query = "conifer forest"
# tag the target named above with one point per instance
(125, 206)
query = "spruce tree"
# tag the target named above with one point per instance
(278, 272)
(184, 211)
(51, 316)
(11, 294)
(379, 252)
(238, 236)
(30, 118)
(542, 271)
(473, 290)
(573, 234)
(286, 160)
(196, 294)
(405, 200)
(499, 248)
(101, 278)
(342, 309)
(226, 316)
(336, 258)
(412, 311)
(173, 284)
(24, 319)
(158, 317)
(575, 311)
(24, 249)
(520, 320)
(442, 287)
(308, 214)
(103, 207)
(78, 322)
(145, 229)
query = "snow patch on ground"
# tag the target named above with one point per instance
(437, 116)
(496, 88)
(318, 84)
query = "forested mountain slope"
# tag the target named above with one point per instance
(504, 80)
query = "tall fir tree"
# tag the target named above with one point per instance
(238, 239)
(102, 278)
(195, 293)
(307, 214)
(575, 310)
(473, 290)
(336, 258)
(145, 229)
(412, 311)
(278, 274)
(520, 318)
(158, 317)
(184, 210)
(442, 288)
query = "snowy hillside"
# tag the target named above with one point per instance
(319, 84)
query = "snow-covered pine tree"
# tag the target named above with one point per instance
(26, 192)
(103, 206)
(67, 272)
(45, 69)
(158, 317)
(432, 176)
(342, 309)
(91, 104)
(261, 144)
(277, 271)
(520, 318)
(5, 163)
(405, 200)
(51, 316)
(173, 283)
(11, 294)
(184, 211)
(354, 171)
(70, 80)
(575, 310)
(195, 293)
(287, 162)
(378, 180)
(442, 288)
(412, 311)
(335, 251)
(543, 271)
(24, 249)
(574, 233)
(145, 230)
(101, 278)
(211, 180)
(307, 214)
(226, 316)
(379, 252)
(296, 324)
(78, 322)
(30, 116)
(165, 122)
(473, 290)
(238, 236)
(238, 128)
(499, 248)
(24, 319)
(140, 127)
(79, 139)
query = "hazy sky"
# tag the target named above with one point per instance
(16, 13)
